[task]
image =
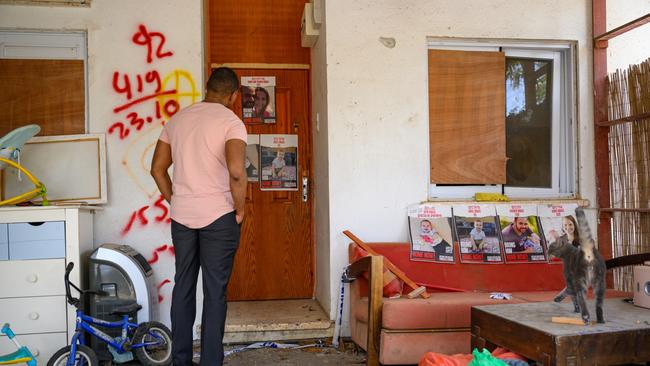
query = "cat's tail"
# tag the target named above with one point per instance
(586, 237)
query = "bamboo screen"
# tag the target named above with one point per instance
(467, 117)
(629, 149)
(49, 93)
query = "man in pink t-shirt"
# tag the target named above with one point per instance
(206, 142)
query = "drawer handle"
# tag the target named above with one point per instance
(33, 278)
(33, 316)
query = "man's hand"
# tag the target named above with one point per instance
(162, 160)
(239, 217)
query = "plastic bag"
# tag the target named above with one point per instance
(485, 358)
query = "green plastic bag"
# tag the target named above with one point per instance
(485, 358)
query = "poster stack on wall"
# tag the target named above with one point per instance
(489, 233)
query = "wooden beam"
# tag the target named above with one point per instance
(599, 11)
(374, 265)
(598, 41)
(635, 118)
(612, 209)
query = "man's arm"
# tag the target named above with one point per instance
(162, 160)
(235, 159)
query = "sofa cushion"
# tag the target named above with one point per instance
(444, 310)
(440, 311)
(392, 285)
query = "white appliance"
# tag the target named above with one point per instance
(642, 285)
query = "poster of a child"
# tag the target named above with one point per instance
(431, 237)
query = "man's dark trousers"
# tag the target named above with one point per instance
(211, 248)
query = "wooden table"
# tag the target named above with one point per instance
(527, 330)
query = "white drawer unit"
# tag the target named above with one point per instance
(36, 243)
(35, 314)
(32, 278)
(4, 243)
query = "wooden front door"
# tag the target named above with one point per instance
(275, 256)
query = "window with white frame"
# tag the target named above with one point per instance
(502, 124)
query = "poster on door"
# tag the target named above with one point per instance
(258, 99)
(253, 158)
(279, 161)
(430, 233)
(477, 233)
(521, 234)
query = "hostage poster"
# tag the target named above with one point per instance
(559, 220)
(258, 99)
(253, 158)
(430, 233)
(477, 233)
(279, 161)
(520, 233)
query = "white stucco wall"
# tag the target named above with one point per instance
(632, 47)
(110, 26)
(320, 185)
(377, 101)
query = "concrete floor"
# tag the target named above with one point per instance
(258, 321)
(345, 355)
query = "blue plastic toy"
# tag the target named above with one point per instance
(22, 355)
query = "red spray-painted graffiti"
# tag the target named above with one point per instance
(155, 256)
(161, 249)
(160, 285)
(145, 38)
(140, 88)
(140, 215)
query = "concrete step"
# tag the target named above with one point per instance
(276, 320)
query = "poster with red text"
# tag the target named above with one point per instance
(430, 233)
(279, 161)
(521, 234)
(253, 158)
(558, 220)
(477, 233)
(258, 99)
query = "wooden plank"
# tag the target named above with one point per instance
(240, 65)
(467, 117)
(623, 29)
(599, 12)
(636, 118)
(256, 31)
(50, 93)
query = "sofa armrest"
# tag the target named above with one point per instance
(627, 260)
(374, 265)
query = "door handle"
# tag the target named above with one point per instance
(305, 189)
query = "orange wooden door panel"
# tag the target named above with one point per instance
(275, 256)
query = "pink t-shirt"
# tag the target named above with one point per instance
(201, 182)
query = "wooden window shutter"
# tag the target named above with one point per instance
(49, 93)
(467, 117)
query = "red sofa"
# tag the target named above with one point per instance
(408, 328)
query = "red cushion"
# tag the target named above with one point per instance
(392, 285)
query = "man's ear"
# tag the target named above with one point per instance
(233, 97)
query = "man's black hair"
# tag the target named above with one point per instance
(223, 81)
